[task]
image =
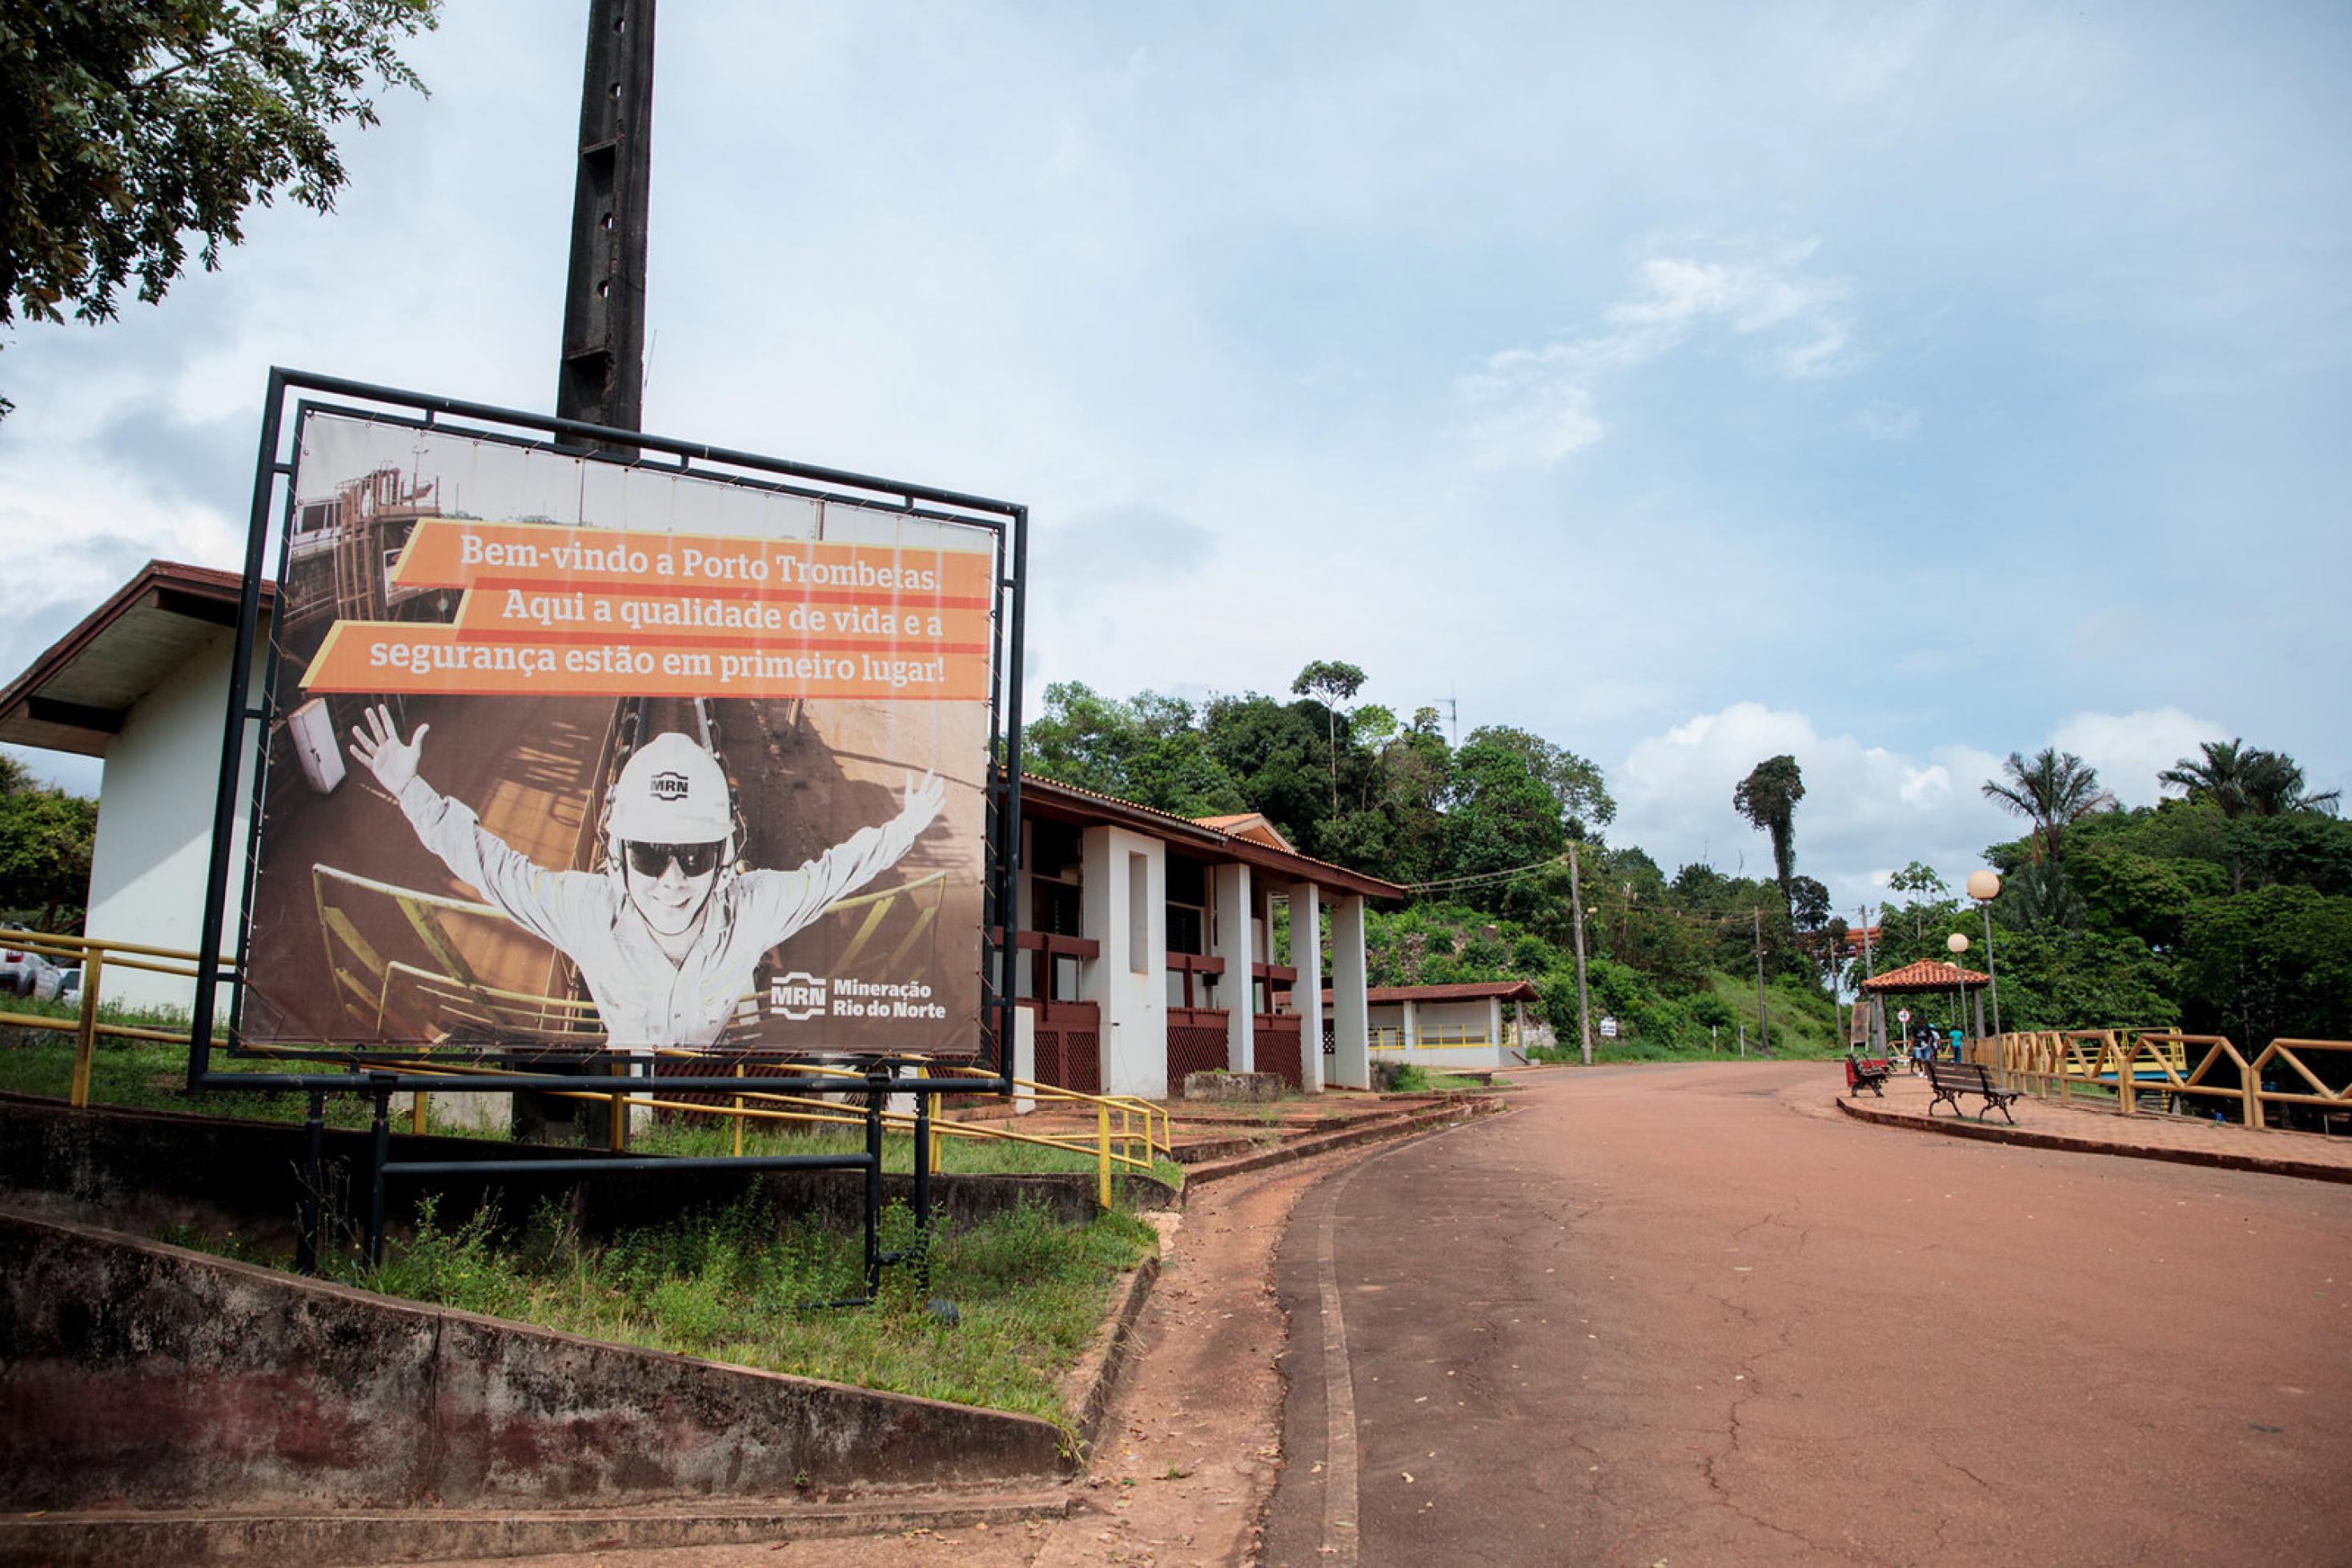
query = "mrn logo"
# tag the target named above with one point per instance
(669, 786)
(796, 996)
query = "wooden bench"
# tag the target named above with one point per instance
(1950, 1080)
(1865, 1073)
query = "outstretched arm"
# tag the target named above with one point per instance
(529, 894)
(852, 864)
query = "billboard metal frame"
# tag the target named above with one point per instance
(373, 1074)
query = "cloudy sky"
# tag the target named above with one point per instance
(1897, 386)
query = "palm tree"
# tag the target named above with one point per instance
(2248, 781)
(2220, 776)
(2054, 792)
(2274, 787)
(1767, 798)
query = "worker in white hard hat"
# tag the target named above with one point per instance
(669, 934)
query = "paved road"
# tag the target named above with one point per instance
(1689, 1314)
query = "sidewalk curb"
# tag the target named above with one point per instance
(1101, 1382)
(2210, 1158)
(378, 1535)
(1398, 1126)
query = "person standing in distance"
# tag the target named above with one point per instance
(668, 935)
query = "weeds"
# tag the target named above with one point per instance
(743, 1284)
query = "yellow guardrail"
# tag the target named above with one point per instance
(95, 957)
(2053, 1062)
(1434, 1037)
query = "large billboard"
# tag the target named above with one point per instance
(568, 755)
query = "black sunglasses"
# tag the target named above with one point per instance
(693, 860)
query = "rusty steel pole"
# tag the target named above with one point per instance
(602, 378)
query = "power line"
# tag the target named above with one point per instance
(1484, 875)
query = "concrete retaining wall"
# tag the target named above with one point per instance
(136, 1374)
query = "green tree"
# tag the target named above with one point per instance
(1331, 682)
(1767, 798)
(45, 837)
(1577, 783)
(2053, 792)
(128, 127)
(2271, 962)
(2274, 787)
(2248, 781)
(1268, 749)
(1501, 816)
(2218, 776)
(1149, 750)
(1918, 877)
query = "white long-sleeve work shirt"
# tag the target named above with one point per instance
(644, 999)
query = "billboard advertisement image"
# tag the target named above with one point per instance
(566, 755)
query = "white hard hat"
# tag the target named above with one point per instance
(671, 791)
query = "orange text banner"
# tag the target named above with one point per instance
(458, 552)
(372, 656)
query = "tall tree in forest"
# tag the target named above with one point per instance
(1330, 683)
(1767, 798)
(2053, 792)
(128, 127)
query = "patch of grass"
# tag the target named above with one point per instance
(739, 1284)
(143, 1075)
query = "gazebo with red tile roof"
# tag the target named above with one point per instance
(1928, 977)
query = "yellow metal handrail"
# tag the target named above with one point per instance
(95, 957)
(2051, 1063)
(1430, 1037)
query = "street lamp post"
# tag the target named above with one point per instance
(1984, 888)
(1956, 944)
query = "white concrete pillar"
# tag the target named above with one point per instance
(1306, 991)
(1409, 1026)
(1123, 905)
(1024, 1058)
(1351, 1064)
(1230, 891)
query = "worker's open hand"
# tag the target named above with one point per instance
(379, 749)
(923, 801)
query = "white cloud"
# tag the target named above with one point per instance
(1867, 810)
(1537, 406)
(2129, 750)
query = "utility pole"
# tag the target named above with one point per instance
(602, 379)
(1584, 1004)
(1763, 1030)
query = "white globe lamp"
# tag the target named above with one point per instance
(1984, 888)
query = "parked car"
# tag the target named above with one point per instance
(24, 973)
(69, 984)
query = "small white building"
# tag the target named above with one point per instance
(140, 684)
(1463, 1025)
